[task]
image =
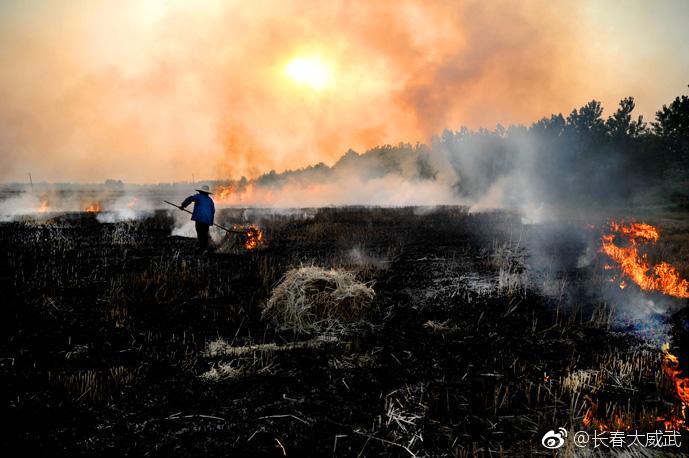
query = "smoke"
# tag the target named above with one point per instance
(566, 264)
(45, 201)
(126, 208)
(160, 90)
(21, 204)
(392, 190)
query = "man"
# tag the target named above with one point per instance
(204, 211)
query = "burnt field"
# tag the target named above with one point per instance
(483, 334)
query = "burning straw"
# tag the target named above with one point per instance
(661, 277)
(312, 299)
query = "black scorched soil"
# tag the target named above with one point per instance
(106, 327)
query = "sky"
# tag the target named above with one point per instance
(152, 91)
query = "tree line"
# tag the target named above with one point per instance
(581, 157)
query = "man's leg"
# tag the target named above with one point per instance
(202, 235)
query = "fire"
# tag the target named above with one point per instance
(253, 234)
(679, 386)
(254, 237)
(44, 206)
(661, 277)
(591, 420)
(243, 195)
(590, 415)
(223, 193)
(93, 207)
(132, 202)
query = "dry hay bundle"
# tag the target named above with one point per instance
(311, 299)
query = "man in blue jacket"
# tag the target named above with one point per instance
(204, 211)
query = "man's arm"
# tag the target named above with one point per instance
(188, 200)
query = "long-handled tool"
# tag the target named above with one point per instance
(254, 236)
(227, 229)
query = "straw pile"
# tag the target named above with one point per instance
(314, 299)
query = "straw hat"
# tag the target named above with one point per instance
(204, 189)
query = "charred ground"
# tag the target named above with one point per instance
(466, 350)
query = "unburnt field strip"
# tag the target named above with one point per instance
(119, 340)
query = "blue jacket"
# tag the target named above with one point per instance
(204, 208)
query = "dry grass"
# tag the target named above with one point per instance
(405, 411)
(314, 299)
(123, 233)
(220, 347)
(95, 385)
(222, 371)
(252, 359)
(505, 257)
(511, 281)
(438, 326)
(618, 373)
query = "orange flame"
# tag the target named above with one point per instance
(254, 237)
(673, 382)
(132, 202)
(252, 233)
(661, 277)
(590, 415)
(44, 206)
(590, 419)
(246, 195)
(93, 207)
(680, 385)
(223, 194)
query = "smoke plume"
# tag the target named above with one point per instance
(157, 91)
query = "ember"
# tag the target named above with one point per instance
(679, 387)
(254, 236)
(93, 207)
(591, 419)
(661, 277)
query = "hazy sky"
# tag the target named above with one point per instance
(155, 90)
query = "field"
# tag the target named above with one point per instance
(483, 334)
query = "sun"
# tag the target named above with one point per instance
(311, 72)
